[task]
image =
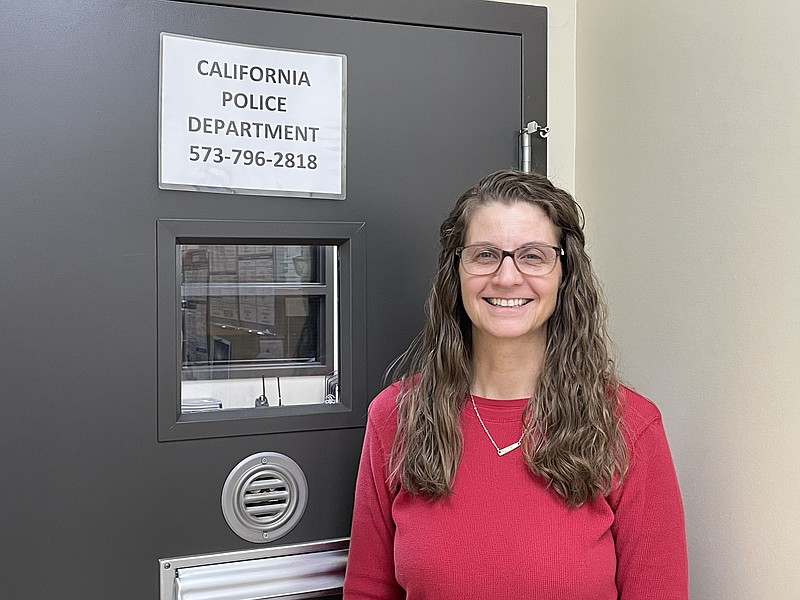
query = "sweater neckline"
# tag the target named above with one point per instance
(497, 410)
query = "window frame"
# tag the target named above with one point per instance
(348, 237)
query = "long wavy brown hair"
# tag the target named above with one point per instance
(573, 437)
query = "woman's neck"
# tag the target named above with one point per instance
(506, 369)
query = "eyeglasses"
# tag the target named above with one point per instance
(530, 259)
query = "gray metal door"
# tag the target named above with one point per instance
(91, 497)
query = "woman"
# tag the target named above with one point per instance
(507, 461)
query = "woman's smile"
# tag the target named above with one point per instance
(508, 302)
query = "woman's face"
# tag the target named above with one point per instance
(509, 305)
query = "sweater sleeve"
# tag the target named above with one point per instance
(648, 529)
(370, 565)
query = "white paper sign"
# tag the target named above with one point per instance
(251, 120)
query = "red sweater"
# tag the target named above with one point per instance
(504, 534)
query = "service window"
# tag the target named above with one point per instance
(255, 331)
(259, 325)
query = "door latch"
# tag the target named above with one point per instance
(525, 139)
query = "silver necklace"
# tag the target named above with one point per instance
(500, 451)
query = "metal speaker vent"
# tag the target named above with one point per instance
(264, 497)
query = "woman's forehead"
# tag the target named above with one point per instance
(509, 224)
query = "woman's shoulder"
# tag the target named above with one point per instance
(383, 408)
(638, 413)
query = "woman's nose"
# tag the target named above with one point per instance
(507, 273)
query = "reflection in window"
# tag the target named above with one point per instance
(259, 324)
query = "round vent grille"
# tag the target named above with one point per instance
(264, 497)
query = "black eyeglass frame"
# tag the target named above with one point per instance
(512, 253)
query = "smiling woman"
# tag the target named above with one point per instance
(507, 437)
(506, 303)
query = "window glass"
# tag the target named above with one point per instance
(258, 325)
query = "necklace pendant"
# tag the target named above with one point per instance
(507, 449)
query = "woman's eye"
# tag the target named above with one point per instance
(532, 256)
(485, 255)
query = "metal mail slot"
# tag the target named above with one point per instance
(308, 570)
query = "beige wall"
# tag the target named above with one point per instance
(685, 153)
(688, 163)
